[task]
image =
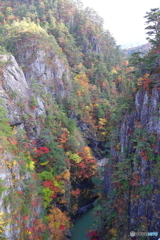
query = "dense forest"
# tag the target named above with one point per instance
(78, 124)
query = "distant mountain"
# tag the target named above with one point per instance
(133, 44)
(142, 48)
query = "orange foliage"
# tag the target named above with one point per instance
(88, 166)
(83, 82)
(76, 192)
(87, 151)
(66, 175)
(63, 137)
(144, 81)
(12, 141)
(58, 223)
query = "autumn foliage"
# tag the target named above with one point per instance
(144, 81)
(58, 223)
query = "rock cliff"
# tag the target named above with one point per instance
(17, 176)
(28, 99)
(132, 178)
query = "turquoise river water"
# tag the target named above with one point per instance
(82, 225)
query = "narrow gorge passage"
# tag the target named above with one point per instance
(82, 225)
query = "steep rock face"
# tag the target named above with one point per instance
(13, 77)
(148, 115)
(26, 109)
(9, 177)
(16, 175)
(42, 65)
(16, 96)
(136, 159)
(13, 85)
(43, 73)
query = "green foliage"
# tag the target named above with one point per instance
(143, 63)
(45, 175)
(146, 190)
(100, 94)
(153, 28)
(33, 101)
(2, 188)
(5, 129)
(25, 210)
(47, 193)
(56, 157)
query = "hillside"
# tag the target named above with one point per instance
(78, 124)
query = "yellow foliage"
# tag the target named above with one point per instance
(114, 71)
(74, 156)
(87, 107)
(146, 75)
(14, 131)
(102, 121)
(14, 162)
(104, 133)
(9, 164)
(44, 163)
(66, 175)
(3, 222)
(118, 146)
(79, 93)
(82, 84)
(25, 26)
(96, 105)
(139, 81)
(100, 195)
(113, 231)
(31, 165)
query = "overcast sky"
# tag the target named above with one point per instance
(124, 18)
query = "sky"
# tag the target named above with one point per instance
(124, 18)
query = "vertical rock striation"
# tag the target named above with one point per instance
(136, 167)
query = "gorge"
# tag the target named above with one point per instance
(79, 123)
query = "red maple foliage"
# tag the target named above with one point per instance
(62, 227)
(93, 235)
(42, 150)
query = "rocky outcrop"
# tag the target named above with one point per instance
(13, 88)
(43, 66)
(16, 175)
(84, 209)
(98, 147)
(24, 105)
(135, 166)
(27, 83)
(148, 117)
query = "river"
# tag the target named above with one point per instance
(82, 225)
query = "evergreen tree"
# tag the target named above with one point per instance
(153, 28)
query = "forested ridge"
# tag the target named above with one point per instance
(70, 100)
